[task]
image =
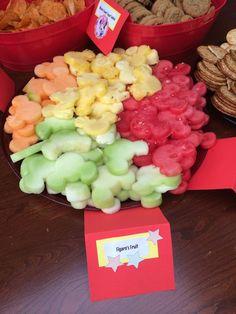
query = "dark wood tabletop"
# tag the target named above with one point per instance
(42, 252)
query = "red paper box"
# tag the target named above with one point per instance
(128, 253)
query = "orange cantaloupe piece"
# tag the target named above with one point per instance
(28, 130)
(21, 142)
(35, 87)
(47, 102)
(7, 128)
(15, 122)
(59, 84)
(51, 70)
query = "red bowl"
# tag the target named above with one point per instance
(21, 51)
(172, 41)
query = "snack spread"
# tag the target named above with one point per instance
(148, 12)
(103, 129)
(218, 70)
(22, 15)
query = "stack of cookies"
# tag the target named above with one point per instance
(218, 70)
(154, 12)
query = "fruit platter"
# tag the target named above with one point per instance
(103, 132)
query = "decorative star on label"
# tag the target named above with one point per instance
(134, 260)
(154, 236)
(114, 262)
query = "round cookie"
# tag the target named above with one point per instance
(231, 37)
(230, 62)
(140, 12)
(233, 54)
(178, 3)
(217, 51)
(151, 20)
(223, 106)
(132, 5)
(226, 70)
(173, 15)
(146, 3)
(206, 54)
(224, 46)
(209, 83)
(233, 87)
(160, 6)
(212, 68)
(196, 8)
(185, 18)
(226, 94)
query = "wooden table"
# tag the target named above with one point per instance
(42, 253)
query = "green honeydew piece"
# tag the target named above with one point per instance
(134, 196)
(115, 208)
(151, 200)
(88, 172)
(51, 125)
(95, 155)
(65, 141)
(79, 205)
(67, 169)
(149, 179)
(119, 154)
(34, 170)
(103, 198)
(123, 195)
(107, 186)
(77, 192)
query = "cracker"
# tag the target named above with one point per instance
(223, 107)
(231, 37)
(212, 68)
(225, 69)
(233, 87)
(231, 64)
(233, 54)
(217, 51)
(227, 95)
(225, 46)
(206, 54)
(210, 85)
(196, 8)
(173, 15)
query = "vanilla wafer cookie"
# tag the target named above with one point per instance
(231, 64)
(217, 51)
(207, 55)
(223, 106)
(212, 68)
(210, 75)
(223, 67)
(233, 87)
